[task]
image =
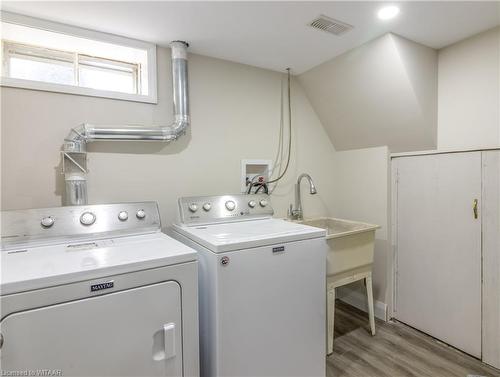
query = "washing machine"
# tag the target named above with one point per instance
(261, 287)
(96, 290)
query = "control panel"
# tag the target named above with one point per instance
(78, 222)
(224, 208)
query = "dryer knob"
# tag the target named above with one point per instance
(193, 207)
(263, 203)
(140, 214)
(252, 203)
(230, 205)
(87, 218)
(207, 206)
(123, 216)
(47, 222)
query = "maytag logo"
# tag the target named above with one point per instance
(278, 249)
(101, 286)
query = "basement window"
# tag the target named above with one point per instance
(42, 55)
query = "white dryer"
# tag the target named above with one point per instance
(261, 288)
(96, 290)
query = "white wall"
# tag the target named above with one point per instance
(469, 93)
(361, 193)
(381, 93)
(376, 98)
(235, 115)
(468, 112)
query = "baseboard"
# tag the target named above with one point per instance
(358, 300)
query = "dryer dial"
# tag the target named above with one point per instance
(230, 205)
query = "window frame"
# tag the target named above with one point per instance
(36, 23)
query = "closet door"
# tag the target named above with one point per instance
(491, 258)
(438, 265)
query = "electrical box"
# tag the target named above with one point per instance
(254, 171)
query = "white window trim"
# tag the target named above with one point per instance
(19, 19)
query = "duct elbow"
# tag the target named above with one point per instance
(180, 126)
(176, 129)
(76, 140)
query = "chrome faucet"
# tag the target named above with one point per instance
(296, 213)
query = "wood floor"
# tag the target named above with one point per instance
(396, 350)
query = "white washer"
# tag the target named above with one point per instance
(96, 290)
(262, 287)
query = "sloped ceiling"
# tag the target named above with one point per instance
(381, 93)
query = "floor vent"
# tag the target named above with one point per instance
(330, 25)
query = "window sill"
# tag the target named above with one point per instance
(76, 90)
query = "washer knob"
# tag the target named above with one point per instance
(193, 207)
(87, 218)
(263, 203)
(230, 205)
(140, 214)
(252, 203)
(207, 206)
(123, 216)
(47, 222)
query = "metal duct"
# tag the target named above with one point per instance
(74, 150)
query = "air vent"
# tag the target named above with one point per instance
(330, 25)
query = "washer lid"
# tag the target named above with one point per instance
(26, 269)
(248, 234)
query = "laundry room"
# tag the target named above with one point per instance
(250, 188)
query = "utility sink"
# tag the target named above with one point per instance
(350, 244)
(349, 259)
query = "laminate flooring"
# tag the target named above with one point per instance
(396, 350)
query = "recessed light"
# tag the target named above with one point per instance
(386, 13)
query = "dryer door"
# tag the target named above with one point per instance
(136, 332)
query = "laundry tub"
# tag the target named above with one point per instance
(349, 259)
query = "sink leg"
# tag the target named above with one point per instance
(369, 294)
(330, 317)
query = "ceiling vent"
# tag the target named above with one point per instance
(330, 25)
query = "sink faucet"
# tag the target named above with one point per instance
(296, 213)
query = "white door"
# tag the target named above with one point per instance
(136, 332)
(271, 310)
(491, 258)
(438, 282)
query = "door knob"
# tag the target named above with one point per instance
(474, 208)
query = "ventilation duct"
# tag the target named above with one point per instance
(75, 150)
